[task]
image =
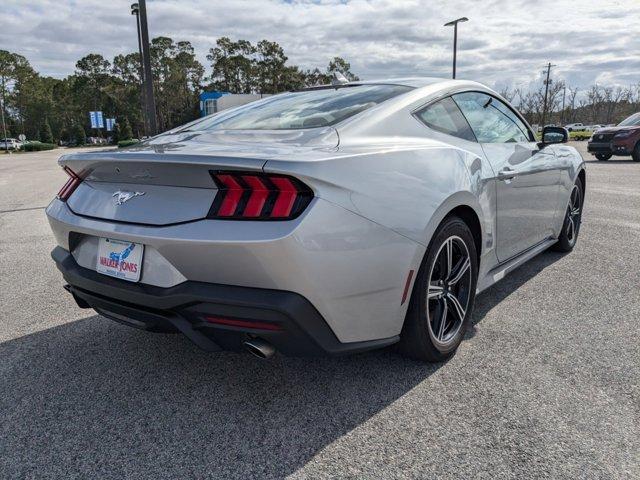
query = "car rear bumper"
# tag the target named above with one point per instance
(350, 269)
(291, 323)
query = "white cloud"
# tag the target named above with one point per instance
(506, 42)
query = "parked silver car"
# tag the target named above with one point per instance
(336, 219)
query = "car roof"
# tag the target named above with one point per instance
(415, 82)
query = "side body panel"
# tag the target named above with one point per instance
(527, 189)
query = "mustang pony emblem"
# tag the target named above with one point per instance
(125, 196)
(118, 257)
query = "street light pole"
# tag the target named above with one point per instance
(454, 23)
(146, 66)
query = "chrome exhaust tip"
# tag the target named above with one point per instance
(259, 348)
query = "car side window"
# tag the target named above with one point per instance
(490, 119)
(445, 116)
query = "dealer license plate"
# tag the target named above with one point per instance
(120, 259)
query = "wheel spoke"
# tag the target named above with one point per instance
(435, 292)
(570, 228)
(449, 253)
(461, 268)
(443, 320)
(456, 306)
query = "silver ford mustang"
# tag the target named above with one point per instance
(331, 220)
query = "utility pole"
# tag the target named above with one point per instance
(564, 95)
(150, 102)
(4, 125)
(135, 10)
(454, 23)
(546, 93)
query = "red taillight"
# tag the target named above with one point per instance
(69, 187)
(258, 196)
(240, 323)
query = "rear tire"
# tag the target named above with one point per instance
(603, 157)
(635, 155)
(443, 295)
(572, 220)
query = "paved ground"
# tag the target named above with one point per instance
(545, 386)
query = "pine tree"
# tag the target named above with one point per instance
(116, 135)
(46, 135)
(126, 133)
(79, 135)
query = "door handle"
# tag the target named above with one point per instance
(507, 174)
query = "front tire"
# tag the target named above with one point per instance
(635, 155)
(572, 219)
(443, 295)
(603, 157)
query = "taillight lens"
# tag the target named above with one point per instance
(258, 196)
(69, 187)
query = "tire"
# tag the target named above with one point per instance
(635, 155)
(424, 337)
(572, 220)
(603, 157)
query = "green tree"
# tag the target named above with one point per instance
(338, 64)
(232, 65)
(269, 67)
(177, 78)
(125, 131)
(46, 135)
(30, 100)
(79, 135)
(14, 72)
(316, 77)
(116, 135)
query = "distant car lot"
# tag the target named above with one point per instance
(546, 385)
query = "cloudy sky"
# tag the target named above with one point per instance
(506, 42)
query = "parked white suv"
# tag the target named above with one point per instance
(9, 144)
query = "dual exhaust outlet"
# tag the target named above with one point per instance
(259, 348)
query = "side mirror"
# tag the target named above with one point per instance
(552, 135)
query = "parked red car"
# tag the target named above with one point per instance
(623, 139)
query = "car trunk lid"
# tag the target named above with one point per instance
(167, 180)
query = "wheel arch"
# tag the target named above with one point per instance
(469, 216)
(582, 175)
(465, 206)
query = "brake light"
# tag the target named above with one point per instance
(258, 196)
(71, 185)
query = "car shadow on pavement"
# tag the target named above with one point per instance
(92, 398)
(509, 284)
(95, 399)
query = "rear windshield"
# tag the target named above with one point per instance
(633, 120)
(307, 109)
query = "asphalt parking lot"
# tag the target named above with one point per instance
(545, 385)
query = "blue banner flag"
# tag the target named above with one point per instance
(96, 119)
